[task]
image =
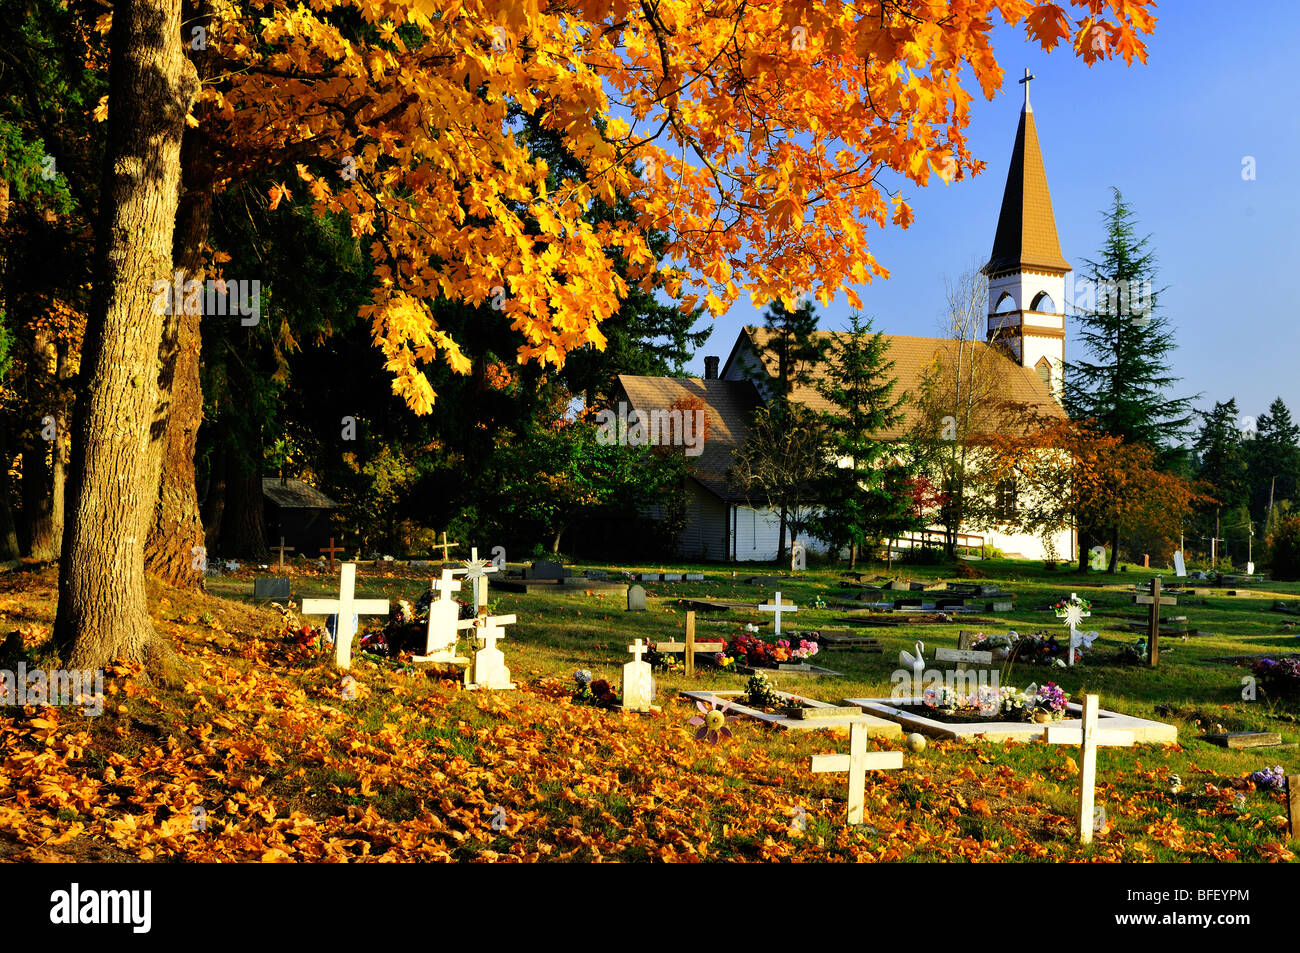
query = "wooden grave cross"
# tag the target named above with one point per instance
(1155, 601)
(345, 608)
(444, 546)
(282, 549)
(857, 763)
(444, 612)
(690, 646)
(1088, 737)
(331, 549)
(777, 607)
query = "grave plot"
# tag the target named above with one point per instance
(911, 713)
(809, 715)
(548, 576)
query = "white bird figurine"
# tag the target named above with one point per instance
(917, 664)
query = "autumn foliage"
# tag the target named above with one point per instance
(764, 138)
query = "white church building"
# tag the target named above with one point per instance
(1025, 329)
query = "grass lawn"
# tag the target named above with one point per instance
(254, 753)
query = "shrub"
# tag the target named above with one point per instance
(1284, 548)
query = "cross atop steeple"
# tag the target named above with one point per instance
(1025, 83)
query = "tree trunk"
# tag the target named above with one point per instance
(1114, 550)
(555, 543)
(113, 479)
(243, 525)
(177, 526)
(780, 538)
(8, 529)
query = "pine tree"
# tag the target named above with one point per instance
(1125, 386)
(794, 343)
(868, 496)
(1274, 460)
(1220, 456)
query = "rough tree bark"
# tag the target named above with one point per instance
(113, 478)
(177, 527)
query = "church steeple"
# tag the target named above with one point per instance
(1026, 235)
(1026, 270)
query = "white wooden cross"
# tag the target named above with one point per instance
(476, 571)
(857, 763)
(345, 608)
(1088, 737)
(777, 607)
(440, 643)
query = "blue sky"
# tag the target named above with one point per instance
(1220, 84)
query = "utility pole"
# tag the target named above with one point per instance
(1214, 543)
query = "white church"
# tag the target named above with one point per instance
(1025, 329)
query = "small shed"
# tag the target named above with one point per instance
(299, 512)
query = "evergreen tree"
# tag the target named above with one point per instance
(1274, 460)
(1220, 456)
(868, 496)
(796, 348)
(1125, 385)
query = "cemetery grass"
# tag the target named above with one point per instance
(255, 755)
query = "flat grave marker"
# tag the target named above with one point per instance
(272, 588)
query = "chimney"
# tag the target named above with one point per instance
(711, 368)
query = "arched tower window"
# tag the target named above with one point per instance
(1005, 303)
(1043, 302)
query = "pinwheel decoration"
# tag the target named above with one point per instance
(711, 721)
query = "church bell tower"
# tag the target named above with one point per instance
(1026, 272)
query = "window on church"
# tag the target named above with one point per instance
(1043, 302)
(1005, 303)
(1004, 503)
(1044, 370)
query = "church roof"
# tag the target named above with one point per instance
(294, 494)
(729, 405)
(1026, 235)
(912, 357)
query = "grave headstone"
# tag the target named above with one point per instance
(672, 577)
(695, 577)
(272, 588)
(638, 680)
(547, 569)
(347, 607)
(444, 612)
(635, 598)
(857, 763)
(1180, 567)
(487, 669)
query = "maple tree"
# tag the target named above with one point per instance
(1076, 475)
(765, 132)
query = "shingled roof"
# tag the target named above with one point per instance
(729, 407)
(912, 357)
(294, 494)
(1026, 236)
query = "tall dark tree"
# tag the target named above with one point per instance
(1274, 459)
(868, 496)
(1124, 382)
(1220, 454)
